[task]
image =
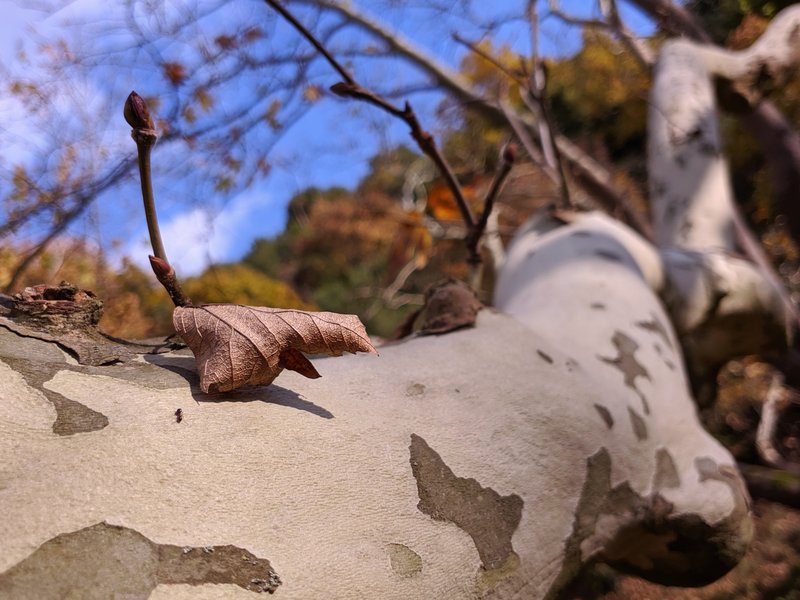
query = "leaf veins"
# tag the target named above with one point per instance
(237, 345)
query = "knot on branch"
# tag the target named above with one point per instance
(64, 306)
(450, 304)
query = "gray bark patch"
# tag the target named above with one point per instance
(626, 362)
(650, 541)
(638, 424)
(415, 389)
(489, 518)
(71, 417)
(404, 561)
(107, 561)
(605, 414)
(666, 475)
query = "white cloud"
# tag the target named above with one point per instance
(199, 237)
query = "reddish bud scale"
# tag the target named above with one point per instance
(136, 112)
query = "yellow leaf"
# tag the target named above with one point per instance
(203, 98)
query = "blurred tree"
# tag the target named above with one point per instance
(240, 284)
(133, 306)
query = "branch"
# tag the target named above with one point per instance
(587, 172)
(350, 88)
(772, 484)
(613, 24)
(778, 139)
(144, 134)
(536, 92)
(508, 156)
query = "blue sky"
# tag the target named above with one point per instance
(330, 145)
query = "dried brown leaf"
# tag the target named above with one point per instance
(237, 345)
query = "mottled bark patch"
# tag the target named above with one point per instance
(489, 518)
(638, 424)
(404, 561)
(666, 475)
(415, 389)
(71, 417)
(545, 357)
(107, 561)
(626, 362)
(605, 414)
(643, 535)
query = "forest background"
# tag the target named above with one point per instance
(247, 122)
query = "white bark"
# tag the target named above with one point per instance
(580, 423)
(689, 184)
(488, 462)
(721, 305)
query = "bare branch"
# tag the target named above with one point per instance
(425, 141)
(613, 24)
(536, 91)
(144, 134)
(588, 173)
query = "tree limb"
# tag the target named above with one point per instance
(588, 173)
(778, 139)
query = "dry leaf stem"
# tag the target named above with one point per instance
(144, 134)
(350, 88)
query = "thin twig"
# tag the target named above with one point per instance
(352, 89)
(144, 134)
(508, 157)
(475, 49)
(313, 40)
(538, 93)
(613, 24)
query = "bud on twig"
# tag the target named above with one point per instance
(166, 276)
(136, 113)
(342, 89)
(161, 268)
(510, 153)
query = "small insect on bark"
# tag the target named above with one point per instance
(179, 415)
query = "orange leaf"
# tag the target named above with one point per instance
(252, 34)
(174, 72)
(225, 42)
(237, 345)
(441, 203)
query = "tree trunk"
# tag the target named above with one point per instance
(494, 461)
